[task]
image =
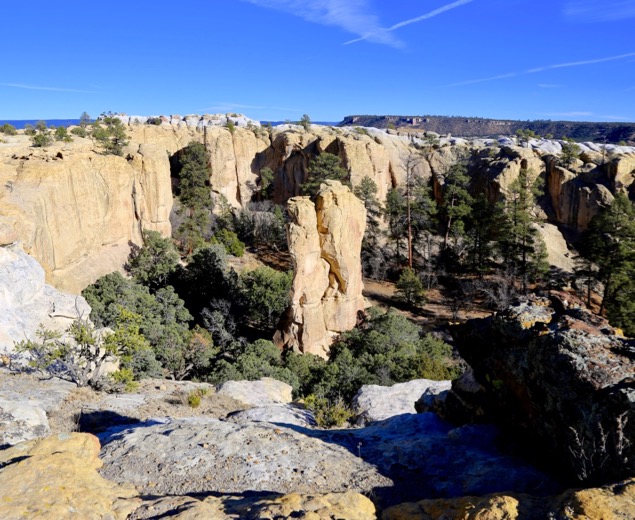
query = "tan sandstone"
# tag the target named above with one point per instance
(325, 244)
(56, 478)
(611, 502)
(77, 211)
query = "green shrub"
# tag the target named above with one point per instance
(328, 413)
(230, 241)
(8, 129)
(79, 131)
(410, 288)
(194, 399)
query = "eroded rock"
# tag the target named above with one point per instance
(27, 302)
(376, 403)
(559, 377)
(325, 244)
(57, 478)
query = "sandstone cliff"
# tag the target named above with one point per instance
(325, 244)
(77, 211)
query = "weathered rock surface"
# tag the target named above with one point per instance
(26, 302)
(77, 211)
(577, 197)
(348, 505)
(325, 244)
(561, 379)
(202, 455)
(57, 478)
(376, 403)
(613, 502)
(406, 457)
(265, 391)
(276, 414)
(25, 403)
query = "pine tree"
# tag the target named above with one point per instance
(457, 201)
(372, 255)
(610, 244)
(323, 167)
(194, 196)
(522, 249)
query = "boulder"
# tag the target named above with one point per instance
(57, 478)
(376, 403)
(325, 245)
(265, 391)
(27, 302)
(561, 379)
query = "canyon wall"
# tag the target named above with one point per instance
(77, 211)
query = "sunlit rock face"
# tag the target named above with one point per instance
(325, 242)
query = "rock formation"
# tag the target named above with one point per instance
(26, 302)
(558, 377)
(57, 478)
(78, 211)
(325, 244)
(376, 403)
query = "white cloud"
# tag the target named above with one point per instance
(354, 16)
(35, 87)
(542, 69)
(599, 10)
(410, 21)
(548, 85)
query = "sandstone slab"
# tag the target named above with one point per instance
(57, 478)
(206, 455)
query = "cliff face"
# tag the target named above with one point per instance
(77, 211)
(325, 242)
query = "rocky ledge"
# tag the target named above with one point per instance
(559, 378)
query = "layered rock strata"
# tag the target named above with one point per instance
(325, 244)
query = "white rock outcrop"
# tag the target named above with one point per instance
(26, 301)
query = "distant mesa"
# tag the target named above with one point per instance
(483, 127)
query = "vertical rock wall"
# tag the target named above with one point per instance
(325, 242)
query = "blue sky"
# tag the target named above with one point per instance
(279, 59)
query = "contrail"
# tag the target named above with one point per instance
(399, 25)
